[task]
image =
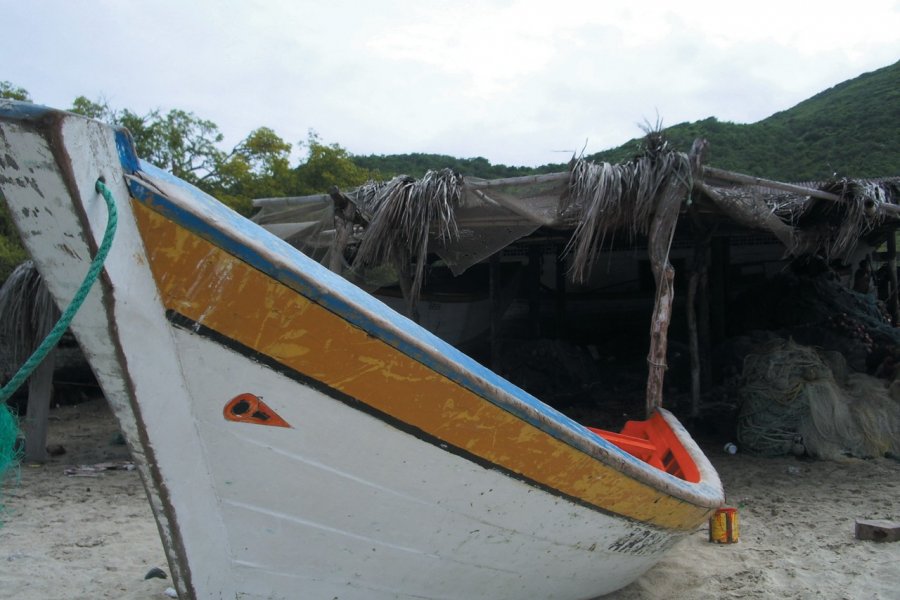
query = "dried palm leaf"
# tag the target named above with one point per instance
(606, 198)
(405, 213)
(860, 216)
(27, 311)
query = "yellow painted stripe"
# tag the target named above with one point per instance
(212, 287)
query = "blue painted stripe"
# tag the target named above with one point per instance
(334, 293)
(125, 147)
(328, 289)
(16, 110)
(210, 219)
(205, 216)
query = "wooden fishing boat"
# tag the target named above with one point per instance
(299, 439)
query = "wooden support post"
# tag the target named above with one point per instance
(560, 292)
(706, 377)
(719, 285)
(40, 391)
(894, 298)
(662, 229)
(495, 288)
(534, 289)
(659, 243)
(659, 329)
(698, 275)
(346, 215)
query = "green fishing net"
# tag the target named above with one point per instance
(9, 452)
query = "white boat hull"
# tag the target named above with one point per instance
(379, 462)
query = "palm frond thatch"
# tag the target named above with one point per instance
(27, 311)
(605, 198)
(858, 215)
(405, 213)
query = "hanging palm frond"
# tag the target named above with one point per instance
(367, 197)
(27, 311)
(405, 213)
(607, 198)
(859, 215)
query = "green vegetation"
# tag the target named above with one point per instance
(11, 251)
(190, 148)
(415, 165)
(8, 90)
(849, 130)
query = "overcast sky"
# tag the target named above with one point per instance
(519, 82)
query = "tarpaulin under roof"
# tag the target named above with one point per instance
(827, 218)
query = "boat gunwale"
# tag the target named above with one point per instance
(273, 256)
(247, 241)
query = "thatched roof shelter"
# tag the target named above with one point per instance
(385, 232)
(465, 220)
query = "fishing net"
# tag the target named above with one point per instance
(27, 314)
(9, 453)
(797, 399)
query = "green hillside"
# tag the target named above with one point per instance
(415, 165)
(851, 129)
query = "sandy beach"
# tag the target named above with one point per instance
(80, 526)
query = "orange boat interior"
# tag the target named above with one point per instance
(654, 442)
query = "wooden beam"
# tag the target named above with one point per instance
(890, 209)
(289, 201)
(40, 391)
(481, 184)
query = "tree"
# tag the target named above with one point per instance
(186, 145)
(258, 167)
(99, 110)
(11, 250)
(178, 141)
(11, 92)
(327, 166)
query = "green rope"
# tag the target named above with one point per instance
(60, 328)
(9, 427)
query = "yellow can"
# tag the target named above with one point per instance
(723, 526)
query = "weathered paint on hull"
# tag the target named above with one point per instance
(384, 515)
(215, 290)
(406, 469)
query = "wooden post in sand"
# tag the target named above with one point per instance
(661, 232)
(494, 286)
(894, 299)
(662, 228)
(698, 294)
(40, 391)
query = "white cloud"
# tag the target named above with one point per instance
(511, 80)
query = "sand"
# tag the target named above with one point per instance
(73, 533)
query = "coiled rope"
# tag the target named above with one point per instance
(8, 427)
